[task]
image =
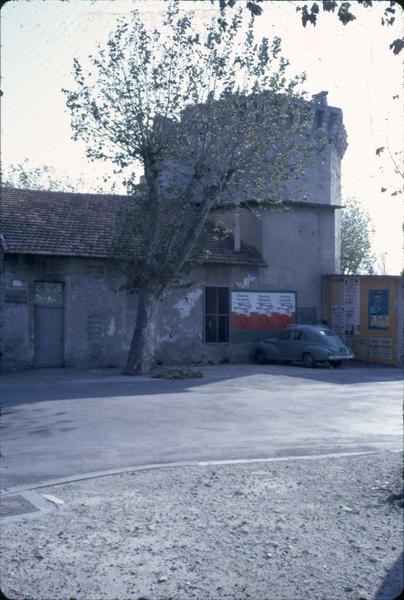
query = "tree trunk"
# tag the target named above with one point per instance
(141, 351)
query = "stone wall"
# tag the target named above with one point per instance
(99, 317)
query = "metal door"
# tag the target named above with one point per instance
(49, 324)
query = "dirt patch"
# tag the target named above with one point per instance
(176, 373)
(314, 529)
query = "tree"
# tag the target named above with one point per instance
(356, 230)
(381, 263)
(25, 175)
(396, 158)
(225, 124)
(342, 10)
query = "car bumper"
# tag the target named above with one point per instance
(341, 356)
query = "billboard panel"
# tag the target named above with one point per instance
(261, 311)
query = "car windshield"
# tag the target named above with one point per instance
(327, 332)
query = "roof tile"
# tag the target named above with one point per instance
(69, 224)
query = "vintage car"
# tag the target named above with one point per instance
(310, 344)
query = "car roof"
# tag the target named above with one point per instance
(308, 327)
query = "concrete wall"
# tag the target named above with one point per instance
(299, 244)
(314, 186)
(99, 318)
(302, 243)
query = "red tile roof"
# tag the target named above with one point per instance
(70, 224)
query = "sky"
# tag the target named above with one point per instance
(353, 63)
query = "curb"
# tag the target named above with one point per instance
(175, 465)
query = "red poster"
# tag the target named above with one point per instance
(262, 311)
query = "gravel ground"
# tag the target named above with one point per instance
(292, 529)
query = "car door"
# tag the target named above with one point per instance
(284, 344)
(296, 344)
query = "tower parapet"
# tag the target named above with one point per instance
(330, 120)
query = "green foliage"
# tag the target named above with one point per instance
(356, 230)
(140, 265)
(226, 126)
(310, 14)
(397, 45)
(212, 117)
(329, 5)
(396, 158)
(24, 175)
(344, 14)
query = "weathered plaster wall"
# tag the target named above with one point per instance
(16, 343)
(99, 319)
(302, 244)
(321, 181)
(337, 240)
(93, 313)
(314, 186)
(250, 225)
(299, 244)
(92, 310)
(299, 248)
(180, 323)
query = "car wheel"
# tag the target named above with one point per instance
(260, 357)
(308, 360)
(335, 363)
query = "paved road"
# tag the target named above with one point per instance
(60, 423)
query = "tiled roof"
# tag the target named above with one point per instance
(69, 224)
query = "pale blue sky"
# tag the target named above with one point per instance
(41, 37)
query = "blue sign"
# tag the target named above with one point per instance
(378, 309)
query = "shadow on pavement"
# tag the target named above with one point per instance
(38, 385)
(346, 375)
(392, 587)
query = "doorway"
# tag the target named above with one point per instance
(49, 324)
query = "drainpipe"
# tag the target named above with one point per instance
(236, 227)
(3, 249)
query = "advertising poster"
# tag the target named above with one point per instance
(338, 291)
(352, 306)
(381, 348)
(262, 311)
(378, 309)
(360, 347)
(338, 320)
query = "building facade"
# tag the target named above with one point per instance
(63, 301)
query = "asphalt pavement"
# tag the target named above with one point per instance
(59, 423)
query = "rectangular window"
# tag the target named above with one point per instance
(217, 314)
(48, 293)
